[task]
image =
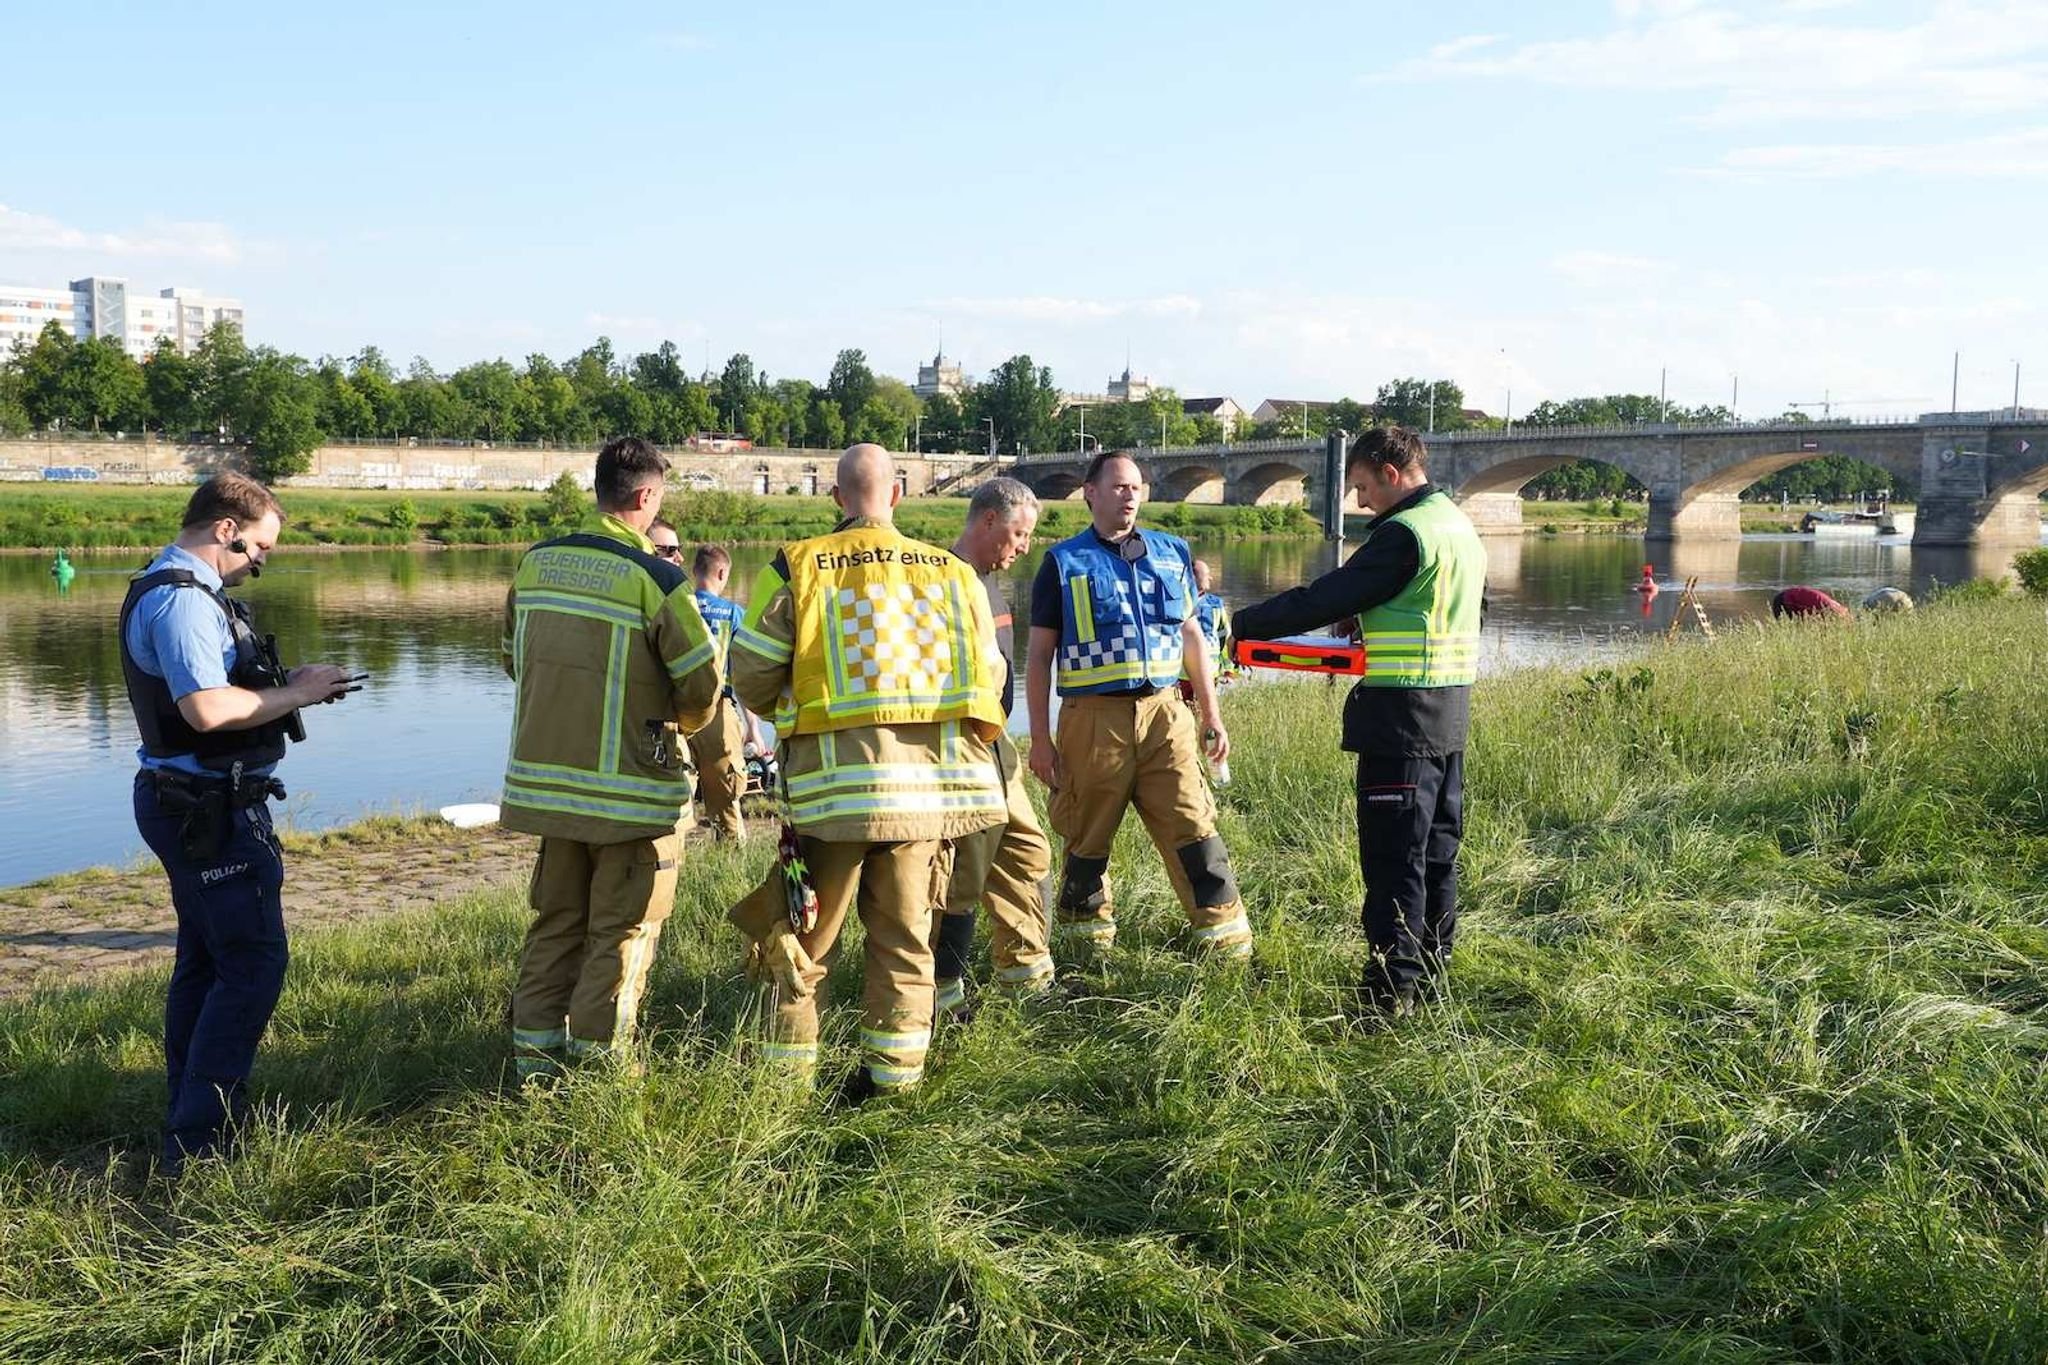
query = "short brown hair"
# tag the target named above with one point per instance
(709, 559)
(230, 495)
(1103, 457)
(1398, 446)
(623, 466)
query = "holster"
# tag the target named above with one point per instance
(209, 805)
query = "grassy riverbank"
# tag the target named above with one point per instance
(75, 516)
(1743, 1062)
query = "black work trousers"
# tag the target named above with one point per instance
(1410, 818)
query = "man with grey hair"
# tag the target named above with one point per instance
(1004, 866)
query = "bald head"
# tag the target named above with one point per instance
(867, 482)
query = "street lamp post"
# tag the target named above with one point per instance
(1081, 433)
(991, 423)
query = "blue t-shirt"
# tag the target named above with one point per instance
(182, 636)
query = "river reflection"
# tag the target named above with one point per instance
(431, 726)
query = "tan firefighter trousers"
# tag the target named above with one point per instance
(598, 911)
(719, 753)
(891, 887)
(1002, 867)
(1145, 752)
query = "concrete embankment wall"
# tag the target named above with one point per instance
(146, 461)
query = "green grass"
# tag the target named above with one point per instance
(1743, 1063)
(37, 516)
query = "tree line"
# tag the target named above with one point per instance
(281, 407)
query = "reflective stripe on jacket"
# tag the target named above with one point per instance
(877, 657)
(608, 650)
(1428, 634)
(1121, 622)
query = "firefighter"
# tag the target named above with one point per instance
(1005, 865)
(1113, 610)
(875, 655)
(612, 659)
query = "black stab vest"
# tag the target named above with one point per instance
(165, 731)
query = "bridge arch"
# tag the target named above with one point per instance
(1189, 483)
(1511, 476)
(1277, 481)
(1734, 478)
(1058, 486)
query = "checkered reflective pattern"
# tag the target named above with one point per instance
(1163, 642)
(894, 639)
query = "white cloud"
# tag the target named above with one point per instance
(2001, 156)
(155, 238)
(1965, 57)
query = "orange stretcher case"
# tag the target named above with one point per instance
(1301, 653)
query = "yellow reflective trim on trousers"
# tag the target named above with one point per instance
(895, 1077)
(907, 1040)
(802, 1053)
(949, 994)
(1227, 929)
(1084, 609)
(541, 1039)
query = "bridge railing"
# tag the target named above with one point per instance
(1295, 444)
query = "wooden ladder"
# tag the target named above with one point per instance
(1689, 599)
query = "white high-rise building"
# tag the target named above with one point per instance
(25, 311)
(104, 306)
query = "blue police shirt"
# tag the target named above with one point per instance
(181, 636)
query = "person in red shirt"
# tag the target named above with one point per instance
(1805, 602)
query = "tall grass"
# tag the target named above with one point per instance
(1743, 1061)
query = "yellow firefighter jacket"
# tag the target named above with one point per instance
(877, 658)
(608, 650)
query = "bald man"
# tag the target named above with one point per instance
(877, 657)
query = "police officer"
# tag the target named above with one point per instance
(1114, 609)
(214, 715)
(875, 655)
(1004, 865)
(611, 659)
(1416, 588)
(719, 750)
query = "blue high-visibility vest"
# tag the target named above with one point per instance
(1120, 627)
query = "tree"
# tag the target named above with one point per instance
(103, 386)
(42, 368)
(490, 390)
(371, 375)
(429, 408)
(278, 415)
(14, 419)
(1021, 398)
(946, 426)
(170, 379)
(222, 361)
(850, 386)
(1421, 404)
(889, 415)
(343, 411)
(736, 385)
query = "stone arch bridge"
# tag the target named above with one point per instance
(1980, 475)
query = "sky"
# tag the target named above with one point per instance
(1773, 201)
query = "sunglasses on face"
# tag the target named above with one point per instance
(669, 551)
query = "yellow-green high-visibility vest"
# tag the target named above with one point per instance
(1428, 635)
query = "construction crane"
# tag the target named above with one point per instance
(1827, 404)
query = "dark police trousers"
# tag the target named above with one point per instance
(229, 970)
(1410, 818)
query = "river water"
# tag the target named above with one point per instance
(430, 728)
